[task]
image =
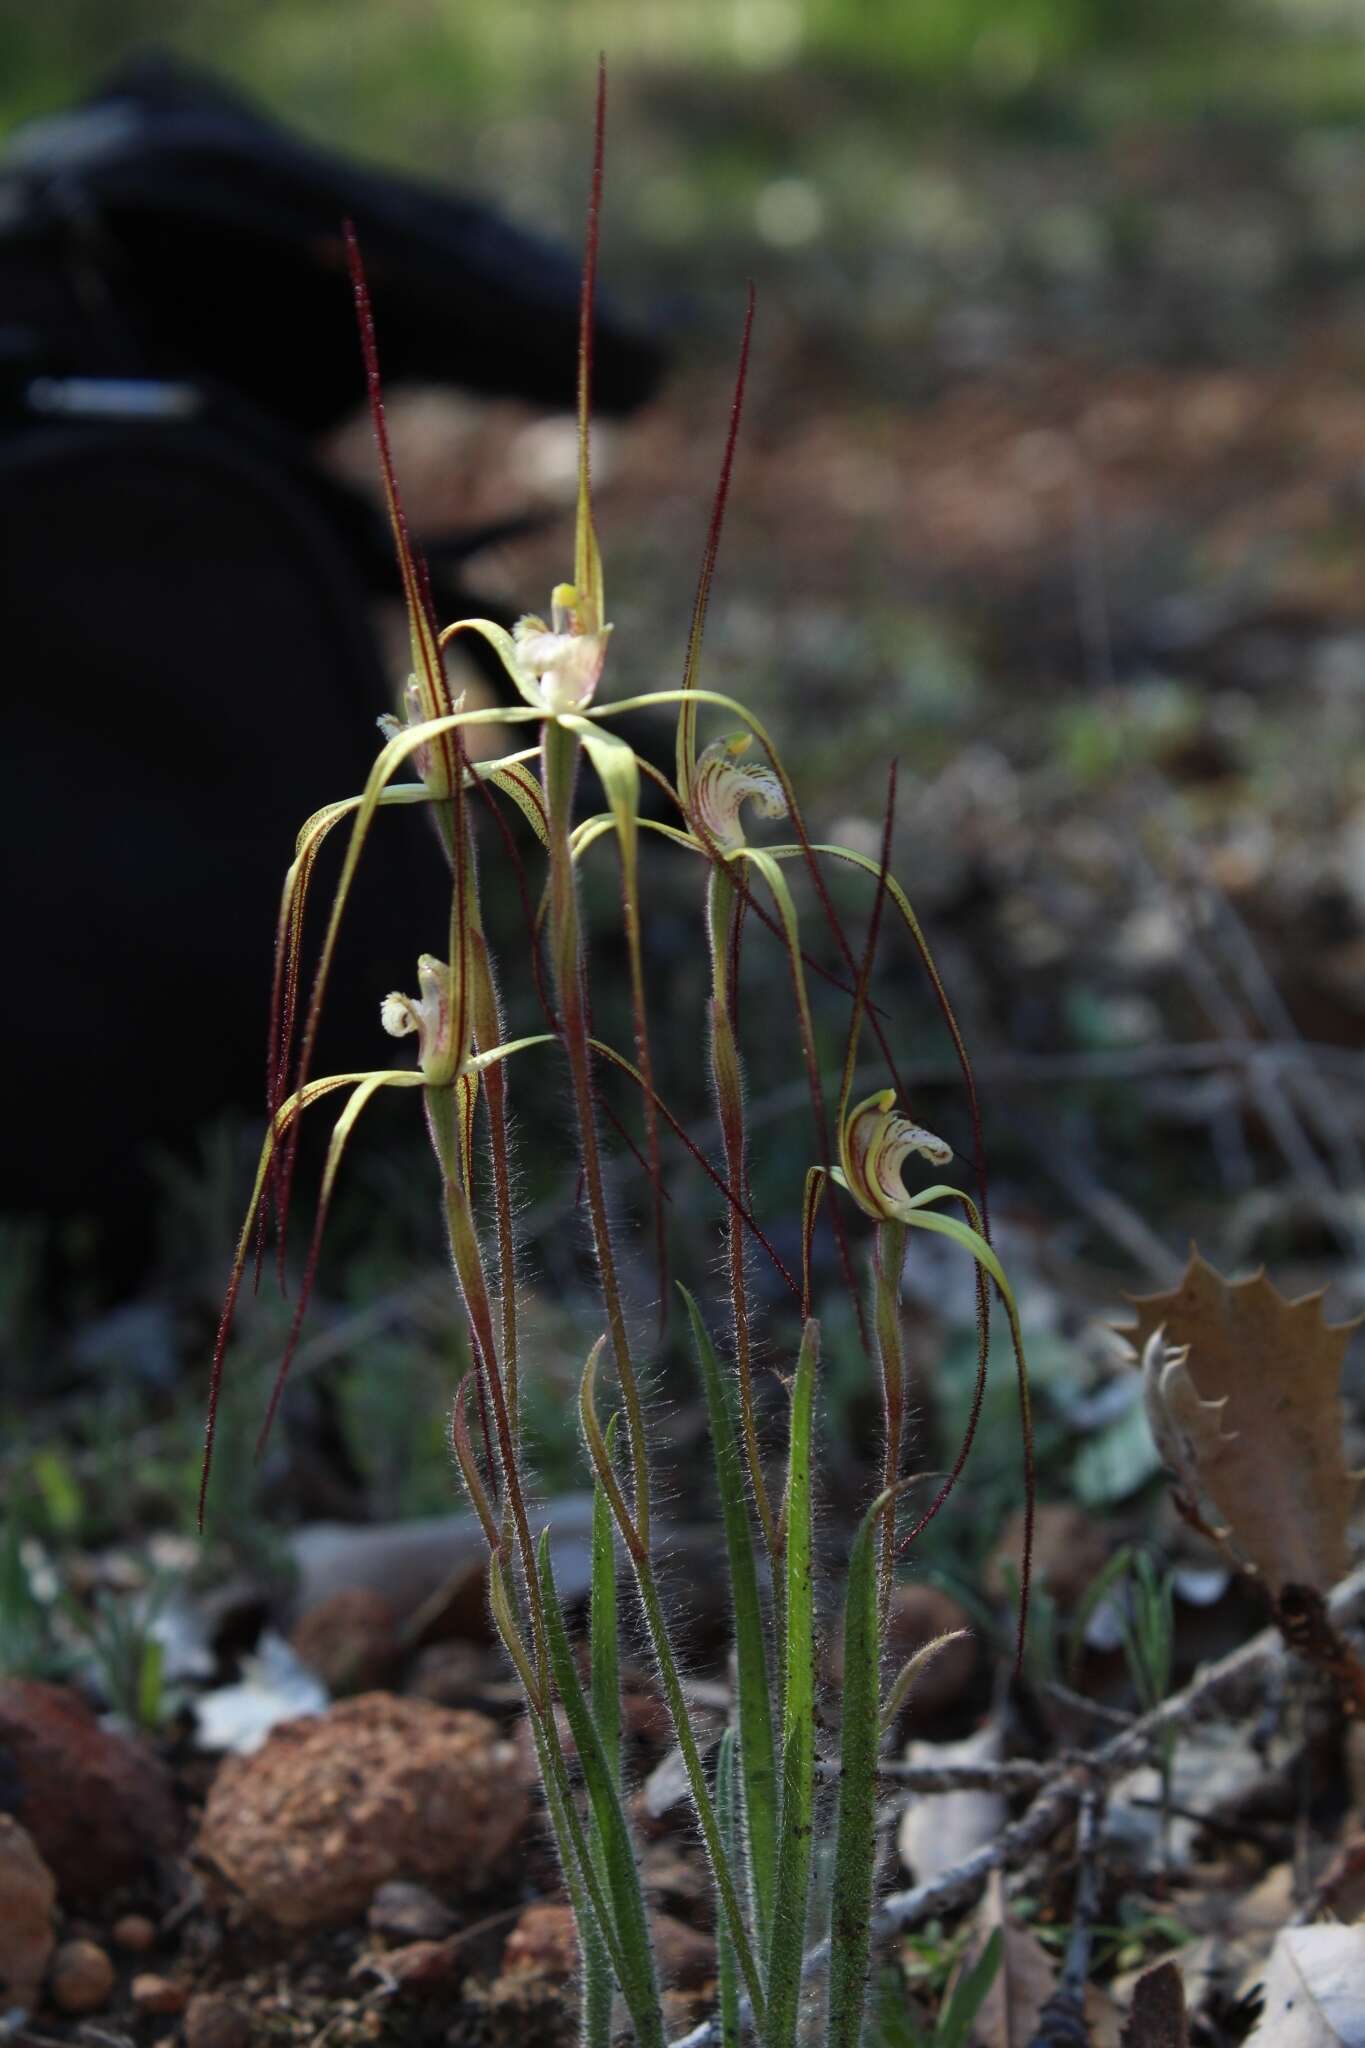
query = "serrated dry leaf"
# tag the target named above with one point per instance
(1314, 1990)
(1157, 2019)
(1260, 1382)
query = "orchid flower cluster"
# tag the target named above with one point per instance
(756, 1809)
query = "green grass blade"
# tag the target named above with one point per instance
(860, 1738)
(969, 1995)
(758, 1761)
(1103, 1583)
(680, 1715)
(727, 1967)
(639, 1985)
(605, 1689)
(591, 1915)
(797, 1812)
(604, 1640)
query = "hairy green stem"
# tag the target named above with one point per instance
(887, 1267)
(559, 754)
(722, 910)
(468, 1262)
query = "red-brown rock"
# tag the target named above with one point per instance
(98, 1805)
(333, 1806)
(214, 2020)
(421, 1967)
(155, 1994)
(350, 1640)
(82, 1977)
(134, 1932)
(544, 1938)
(28, 1894)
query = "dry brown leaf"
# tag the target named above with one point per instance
(1314, 1990)
(1158, 2019)
(1256, 1403)
(1024, 1982)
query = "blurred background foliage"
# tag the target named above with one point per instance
(1051, 484)
(408, 79)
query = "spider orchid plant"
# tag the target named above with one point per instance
(756, 1811)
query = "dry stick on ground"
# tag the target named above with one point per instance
(1217, 1687)
(1062, 2022)
(1017, 1776)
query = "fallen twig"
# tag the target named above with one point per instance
(1062, 2022)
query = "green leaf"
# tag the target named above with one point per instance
(150, 1692)
(639, 1985)
(855, 1851)
(1116, 1461)
(59, 1489)
(604, 1621)
(1104, 1580)
(969, 1994)
(591, 1916)
(758, 1760)
(727, 1820)
(680, 1714)
(605, 1685)
(797, 1812)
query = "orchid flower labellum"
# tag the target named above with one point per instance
(429, 1016)
(566, 657)
(874, 1144)
(426, 761)
(725, 782)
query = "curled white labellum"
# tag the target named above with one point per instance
(874, 1144)
(724, 782)
(429, 1015)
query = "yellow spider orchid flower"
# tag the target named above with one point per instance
(565, 658)
(429, 1015)
(874, 1143)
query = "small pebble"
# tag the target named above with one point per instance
(214, 2021)
(409, 1912)
(158, 1994)
(424, 1966)
(134, 1932)
(28, 1893)
(81, 1977)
